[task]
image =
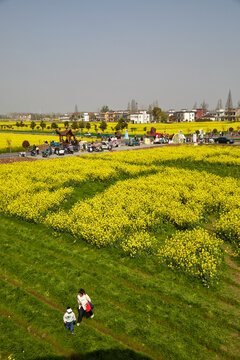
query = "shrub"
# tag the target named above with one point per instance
(25, 144)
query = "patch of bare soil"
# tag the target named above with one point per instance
(13, 159)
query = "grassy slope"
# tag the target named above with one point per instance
(140, 307)
(138, 304)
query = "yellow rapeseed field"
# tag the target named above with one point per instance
(144, 196)
(13, 142)
(140, 129)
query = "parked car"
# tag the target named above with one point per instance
(105, 145)
(223, 140)
(161, 141)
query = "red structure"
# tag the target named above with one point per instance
(69, 133)
(199, 113)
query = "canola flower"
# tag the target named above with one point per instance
(186, 128)
(11, 357)
(194, 251)
(143, 193)
(15, 141)
(227, 227)
(122, 214)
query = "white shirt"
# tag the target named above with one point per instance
(83, 301)
(69, 317)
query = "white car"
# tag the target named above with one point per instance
(105, 145)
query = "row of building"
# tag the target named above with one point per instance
(145, 117)
(200, 115)
(138, 117)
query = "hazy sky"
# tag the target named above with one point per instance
(58, 53)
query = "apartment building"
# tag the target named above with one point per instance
(185, 115)
(140, 117)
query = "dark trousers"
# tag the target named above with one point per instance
(81, 311)
(69, 326)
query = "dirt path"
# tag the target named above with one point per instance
(33, 332)
(123, 340)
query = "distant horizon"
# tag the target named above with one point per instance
(111, 109)
(65, 52)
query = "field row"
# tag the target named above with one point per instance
(186, 128)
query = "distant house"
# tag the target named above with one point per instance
(99, 116)
(220, 114)
(121, 114)
(230, 114)
(64, 117)
(109, 116)
(85, 116)
(25, 117)
(185, 115)
(140, 117)
(209, 117)
(237, 114)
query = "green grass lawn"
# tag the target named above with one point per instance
(142, 310)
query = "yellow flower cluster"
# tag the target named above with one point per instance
(28, 190)
(228, 227)
(11, 358)
(194, 251)
(14, 141)
(186, 128)
(125, 212)
(141, 242)
(143, 195)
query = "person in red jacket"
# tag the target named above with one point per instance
(83, 300)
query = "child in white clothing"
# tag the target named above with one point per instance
(68, 318)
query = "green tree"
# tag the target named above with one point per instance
(54, 125)
(96, 127)
(117, 127)
(42, 124)
(103, 125)
(75, 125)
(33, 125)
(66, 124)
(25, 144)
(159, 115)
(104, 109)
(88, 125)
(81, 125)
(122, 124)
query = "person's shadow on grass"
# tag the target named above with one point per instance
(116, 354)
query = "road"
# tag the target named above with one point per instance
(122, 147)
